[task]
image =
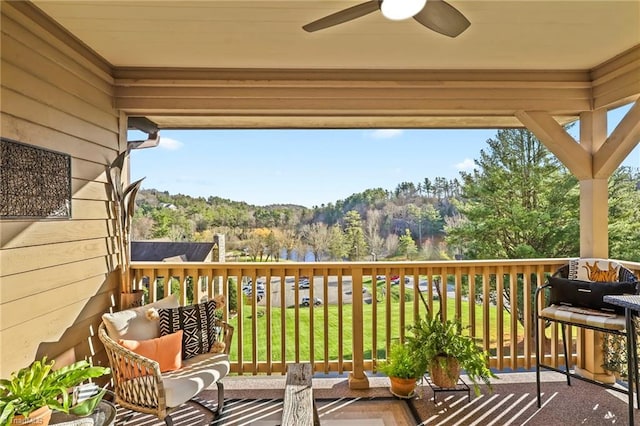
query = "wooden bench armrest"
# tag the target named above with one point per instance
(226, 334)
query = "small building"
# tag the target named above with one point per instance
(169, 251)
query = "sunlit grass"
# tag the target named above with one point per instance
(335, 336)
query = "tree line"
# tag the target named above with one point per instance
(518, 202)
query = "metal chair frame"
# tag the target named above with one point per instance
(632, 357)
(150, 388)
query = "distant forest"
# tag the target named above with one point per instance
(276, 231)
(518, 202)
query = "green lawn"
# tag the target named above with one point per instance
(337, 325)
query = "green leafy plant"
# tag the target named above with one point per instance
(39, 385)
(402, 363)
(614, 349)
(434, 339)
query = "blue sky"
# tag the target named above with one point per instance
(309, 167)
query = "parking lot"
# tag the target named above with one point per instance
(303, 287)
(289, 288)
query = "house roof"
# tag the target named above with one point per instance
(157, 251)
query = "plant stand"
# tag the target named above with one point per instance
(461, 386)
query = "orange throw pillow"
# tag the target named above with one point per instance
(167, 350)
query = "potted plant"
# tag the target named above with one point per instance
(403, 369)
(443, 350)
(32, 392)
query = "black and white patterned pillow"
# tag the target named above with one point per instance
(196, 321)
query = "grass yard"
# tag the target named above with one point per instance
(334, 335)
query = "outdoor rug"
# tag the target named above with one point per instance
(508, 404)
(515, 404)
(268, 412)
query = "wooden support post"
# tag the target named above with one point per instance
(357, 378)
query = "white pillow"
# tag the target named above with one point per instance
(133, 324)
(593, 269)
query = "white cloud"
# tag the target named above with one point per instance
(170, 144)
(465, 165)
(386, 133)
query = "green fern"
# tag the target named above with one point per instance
(434, 338)
(402, 363)
(38, 385)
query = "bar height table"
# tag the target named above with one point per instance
(631, 305)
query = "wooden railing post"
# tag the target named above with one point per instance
(357, 378)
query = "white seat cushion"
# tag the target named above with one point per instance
(196, 374)
(566, 314)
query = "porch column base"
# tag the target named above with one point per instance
(604, 377)
(358, 382)
(592, 359)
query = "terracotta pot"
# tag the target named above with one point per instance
(444, 376)
(402, 387)
(40, 417)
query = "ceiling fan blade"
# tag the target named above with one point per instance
(343, 16)
(442, 18)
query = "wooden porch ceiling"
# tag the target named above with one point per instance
(209, 64)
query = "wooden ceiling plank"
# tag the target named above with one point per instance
(312, 91)
(508, 78)
(54, 33)
(558, 141)
(619, 144)
(333, 106)
(254, 34)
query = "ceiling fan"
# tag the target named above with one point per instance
(437, 15)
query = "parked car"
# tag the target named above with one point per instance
(248, 288)
(306, 301)
(260, 293)
(303, 283)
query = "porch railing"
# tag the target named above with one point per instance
(362, 308)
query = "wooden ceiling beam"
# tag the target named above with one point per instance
(493, 95)
(617, 81)
(310, 121)
(619, 144)
(558, 141)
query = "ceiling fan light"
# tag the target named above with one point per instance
(401, 9)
